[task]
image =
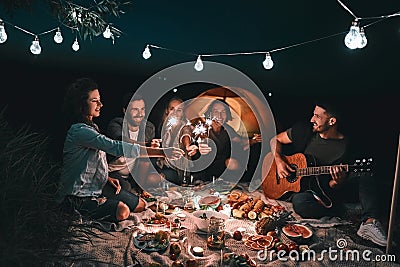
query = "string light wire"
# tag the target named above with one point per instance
(356, 18)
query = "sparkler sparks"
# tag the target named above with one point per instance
(172, 121)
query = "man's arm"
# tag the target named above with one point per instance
(169, 152)
(283, 168)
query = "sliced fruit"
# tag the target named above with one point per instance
(296, 231)
(252, 215)
(263, 243)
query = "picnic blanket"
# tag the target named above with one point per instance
(114, 246)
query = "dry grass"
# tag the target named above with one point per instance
(32, 225)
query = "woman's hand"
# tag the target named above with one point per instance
(155, 143)
(191, 150)
(204, 149)
(115, 183)
(256, 139)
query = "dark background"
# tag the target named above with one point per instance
(365, 82)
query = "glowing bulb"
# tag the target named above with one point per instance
(107, 33)
(175, 90)
(268, 63)
(75, 45)
(3, 34)
(364, 40)
(58, 37)
(146, 53)
(35, 46)
(353, 37)
(199, 64)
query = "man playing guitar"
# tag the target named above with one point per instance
(328, 146)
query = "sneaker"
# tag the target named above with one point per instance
(373, 232)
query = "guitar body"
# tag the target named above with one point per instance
(274, 187)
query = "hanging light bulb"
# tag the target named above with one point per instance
(35, 46)
(364, 40)
(353, 37)
(3, 34)
(107, 33)
(199, 64)
(75, 45)
(146, 53)
(268, 63)
(58, 37)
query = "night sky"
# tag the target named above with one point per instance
(364, 81)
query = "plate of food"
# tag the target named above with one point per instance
(157, 219)
(210, 201)
(152, 241)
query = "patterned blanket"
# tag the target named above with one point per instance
(113, 245)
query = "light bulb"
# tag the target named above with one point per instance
(58, 37)
(35, 46)
(75, 45)
(107, 33)
(268, 63)
(199, 64)
(353, 37)
(146, 53)
(364, 40)
(3, 34)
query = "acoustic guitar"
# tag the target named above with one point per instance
(304, 165)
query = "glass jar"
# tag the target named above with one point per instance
(175, 227)
(216, 233)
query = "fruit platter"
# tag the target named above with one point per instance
(157, 219)
(253, 208)
(152, 241)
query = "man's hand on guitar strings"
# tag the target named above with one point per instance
(283, 169)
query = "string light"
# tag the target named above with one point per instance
(75, 45)
(58, 37)
(353, 38)
(199, 64)
(364, 40)
(3, 34)
(146, 53)
(268, 63)
(35, 46)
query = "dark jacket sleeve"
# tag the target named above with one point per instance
(114, 129)
(150, 132)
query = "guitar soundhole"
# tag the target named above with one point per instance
(292, 177)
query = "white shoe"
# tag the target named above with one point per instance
(374, 232)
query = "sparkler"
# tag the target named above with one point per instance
(172, 121)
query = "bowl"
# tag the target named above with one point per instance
(210, 201)
(202, 224)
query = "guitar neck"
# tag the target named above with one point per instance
(318, 170)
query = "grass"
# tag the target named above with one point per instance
(32, 225)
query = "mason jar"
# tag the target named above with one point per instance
(216, 233)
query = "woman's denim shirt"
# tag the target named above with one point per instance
(85, 169)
